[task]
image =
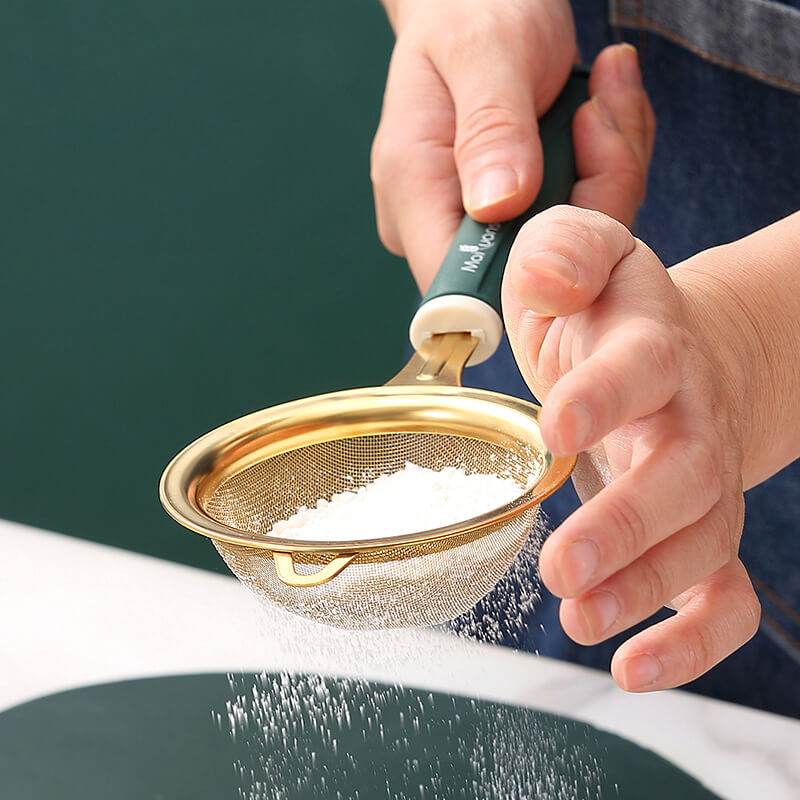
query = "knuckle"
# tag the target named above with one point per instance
(701, 653)
(634, 524)
(711, 642)
(752, 616)
(383, 174)
(631, 178)
(382, 163)
(706, 469)
(489, 126)
(722, 546)
(653, 585)
(735, 526)
(610, 394)
(662, 350)
(728, 524)
(747, 605)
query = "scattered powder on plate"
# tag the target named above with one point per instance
(410, 500)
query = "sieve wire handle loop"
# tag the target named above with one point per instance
(284, 568)
(465, 294)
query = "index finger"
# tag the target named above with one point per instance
(416, 188)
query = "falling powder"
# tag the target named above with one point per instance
(356, 734)
(410, 500)
(308, 736)
(345, 736)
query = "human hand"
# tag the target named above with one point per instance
(618, 351)
(467, 82)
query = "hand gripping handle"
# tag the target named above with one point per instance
(465, 294)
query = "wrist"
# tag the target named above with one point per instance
(747, 313)
(723, 332)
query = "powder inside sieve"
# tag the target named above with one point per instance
(410, 500)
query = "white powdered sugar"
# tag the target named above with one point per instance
(410, 500)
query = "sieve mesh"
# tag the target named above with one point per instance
(257, 497)
(414, 584)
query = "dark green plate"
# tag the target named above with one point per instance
(308, 737)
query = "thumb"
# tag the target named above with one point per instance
(497, 150)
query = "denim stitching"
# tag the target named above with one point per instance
(776, 599)
(786, 642)
(627, 20)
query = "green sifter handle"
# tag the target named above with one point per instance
(471, 274)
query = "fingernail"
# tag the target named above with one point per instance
(574, 426)
(600, 611)
(535, 276)
(577, 564)
(640, 672)
(491, 186)
(550, 267)
(604, 112)
(628, 65)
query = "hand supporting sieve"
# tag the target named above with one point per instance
(233, 484)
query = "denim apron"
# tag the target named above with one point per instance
(724, 80)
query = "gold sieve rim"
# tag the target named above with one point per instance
(479, 414)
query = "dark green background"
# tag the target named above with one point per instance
(186, 235)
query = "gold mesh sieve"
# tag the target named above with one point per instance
(234, 483)
(237, 481)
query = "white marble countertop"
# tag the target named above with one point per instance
(74, 613)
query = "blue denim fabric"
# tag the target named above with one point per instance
(755, 37)
(725, 163)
